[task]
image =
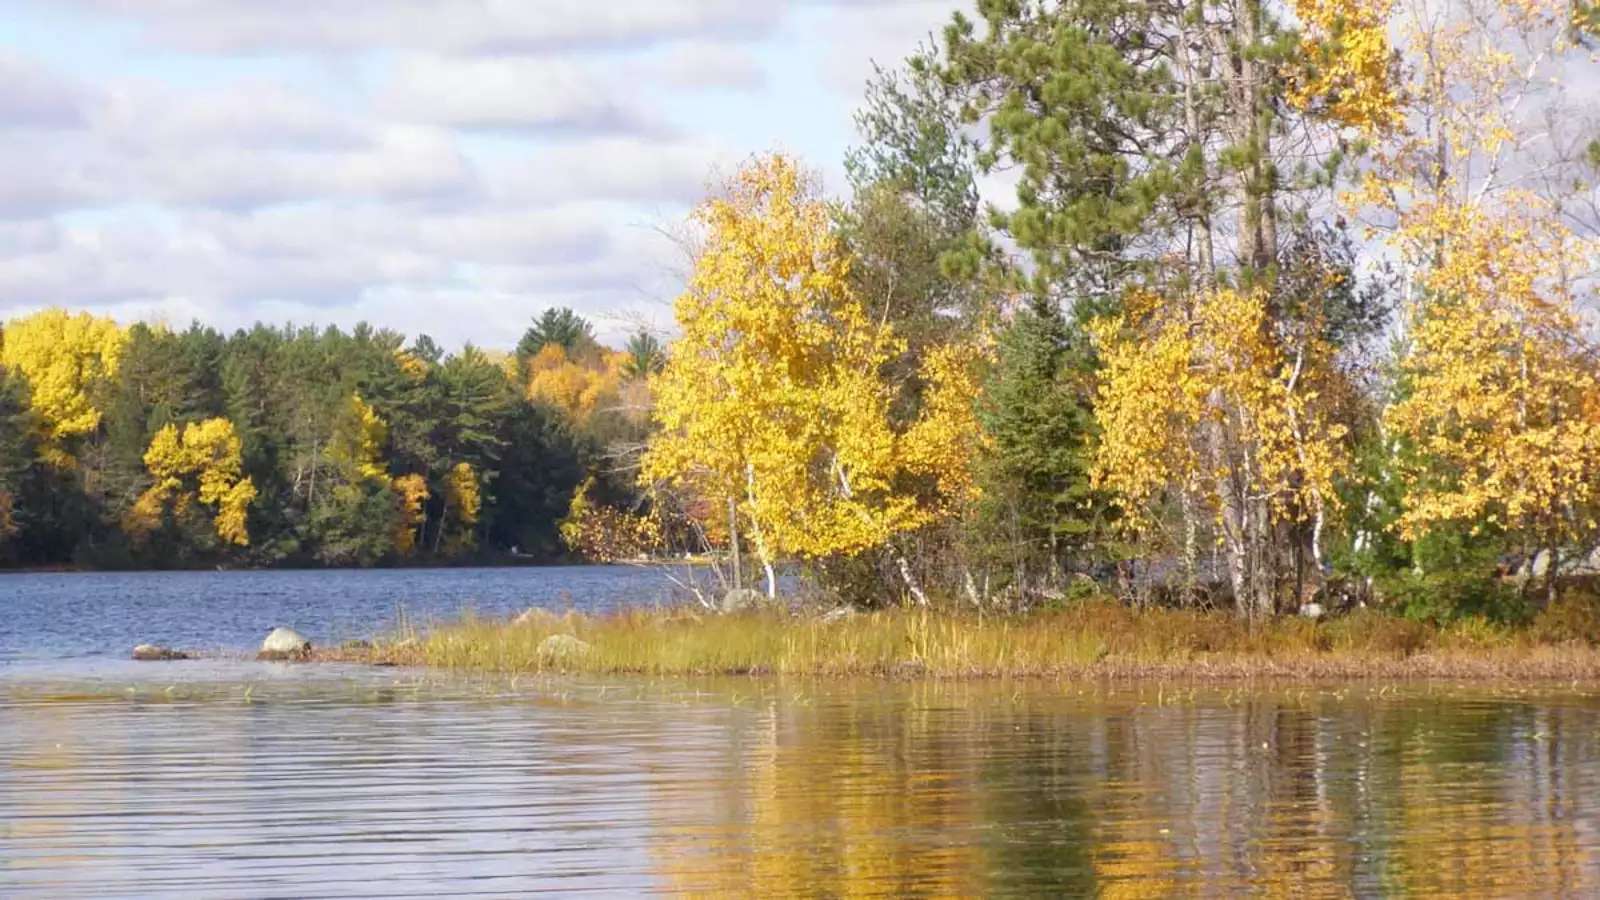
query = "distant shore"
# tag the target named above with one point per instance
(490, 563)
(1090, 640)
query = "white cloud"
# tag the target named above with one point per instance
(33, 97)
(650, 173)
(447, 166)
(532, 93)
(705, 64)
(476, 26)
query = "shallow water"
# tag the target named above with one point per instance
(225, 778)
(72, 615)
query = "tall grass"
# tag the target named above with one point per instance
(1089, 638)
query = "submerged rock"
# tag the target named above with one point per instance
(562, 646)
(157, 653)
(284, 643)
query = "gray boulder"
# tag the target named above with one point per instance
(284, 643)
(157, 653)
(741, 599)
(558, 647)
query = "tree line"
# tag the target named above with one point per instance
(149, 446)
(1201, 302)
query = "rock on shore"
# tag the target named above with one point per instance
(284, 644)
(559, 647)
(157, 653)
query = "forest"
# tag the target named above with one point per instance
(147, 446)
(1231, 305)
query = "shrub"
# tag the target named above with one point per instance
(1572, 617)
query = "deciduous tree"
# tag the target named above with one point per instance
(772, 403)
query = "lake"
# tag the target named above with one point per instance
(228, 778)
(98, 615)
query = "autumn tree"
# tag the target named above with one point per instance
(66, 360)
(463, 504)
(579, 388)
(16, 457)
(359, 509)
(1502, 398)
(604, 533)
(201, 465)
(1163, 175)
(1474, 192)
(1207, 410)
(771, 404)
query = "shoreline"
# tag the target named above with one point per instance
(1579, 669)
(1097, 641)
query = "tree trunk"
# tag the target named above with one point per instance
(910, 580)
(763, 551)
(1550, 575)
(1190, 74)
(733, 541)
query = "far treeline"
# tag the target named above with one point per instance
(1256, 307)
(145, 446)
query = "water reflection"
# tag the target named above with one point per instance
(367, 785)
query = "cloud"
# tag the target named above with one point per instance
(705, 64)
(449, 166)
(645, 172)
(33, 97)
(475, 26)
(534, 94)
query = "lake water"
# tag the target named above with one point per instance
(88, 616)
(224, 778)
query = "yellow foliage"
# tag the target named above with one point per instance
(463, 501)
(8, 520)
(603, 534)
(773, 397)
(1472, 73)
(945, 441)
(1348, 68)
(1501, 401)
(413, 366)
(203, 464)
(1211, 405)
(412, 491)
(63, 357)
(1498, 404)
(576, 388)
(358, 439)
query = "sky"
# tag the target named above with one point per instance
(448, 167)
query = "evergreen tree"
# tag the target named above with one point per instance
(557, 325)
(645, 356)
(1040, 514)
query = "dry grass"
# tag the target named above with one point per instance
(1091, 639)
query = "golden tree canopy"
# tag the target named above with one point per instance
(63, 356)
(774, 396)
(1210, 404)
(203, 464)
(1500, 398)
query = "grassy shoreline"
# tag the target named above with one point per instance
(1091, 640)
